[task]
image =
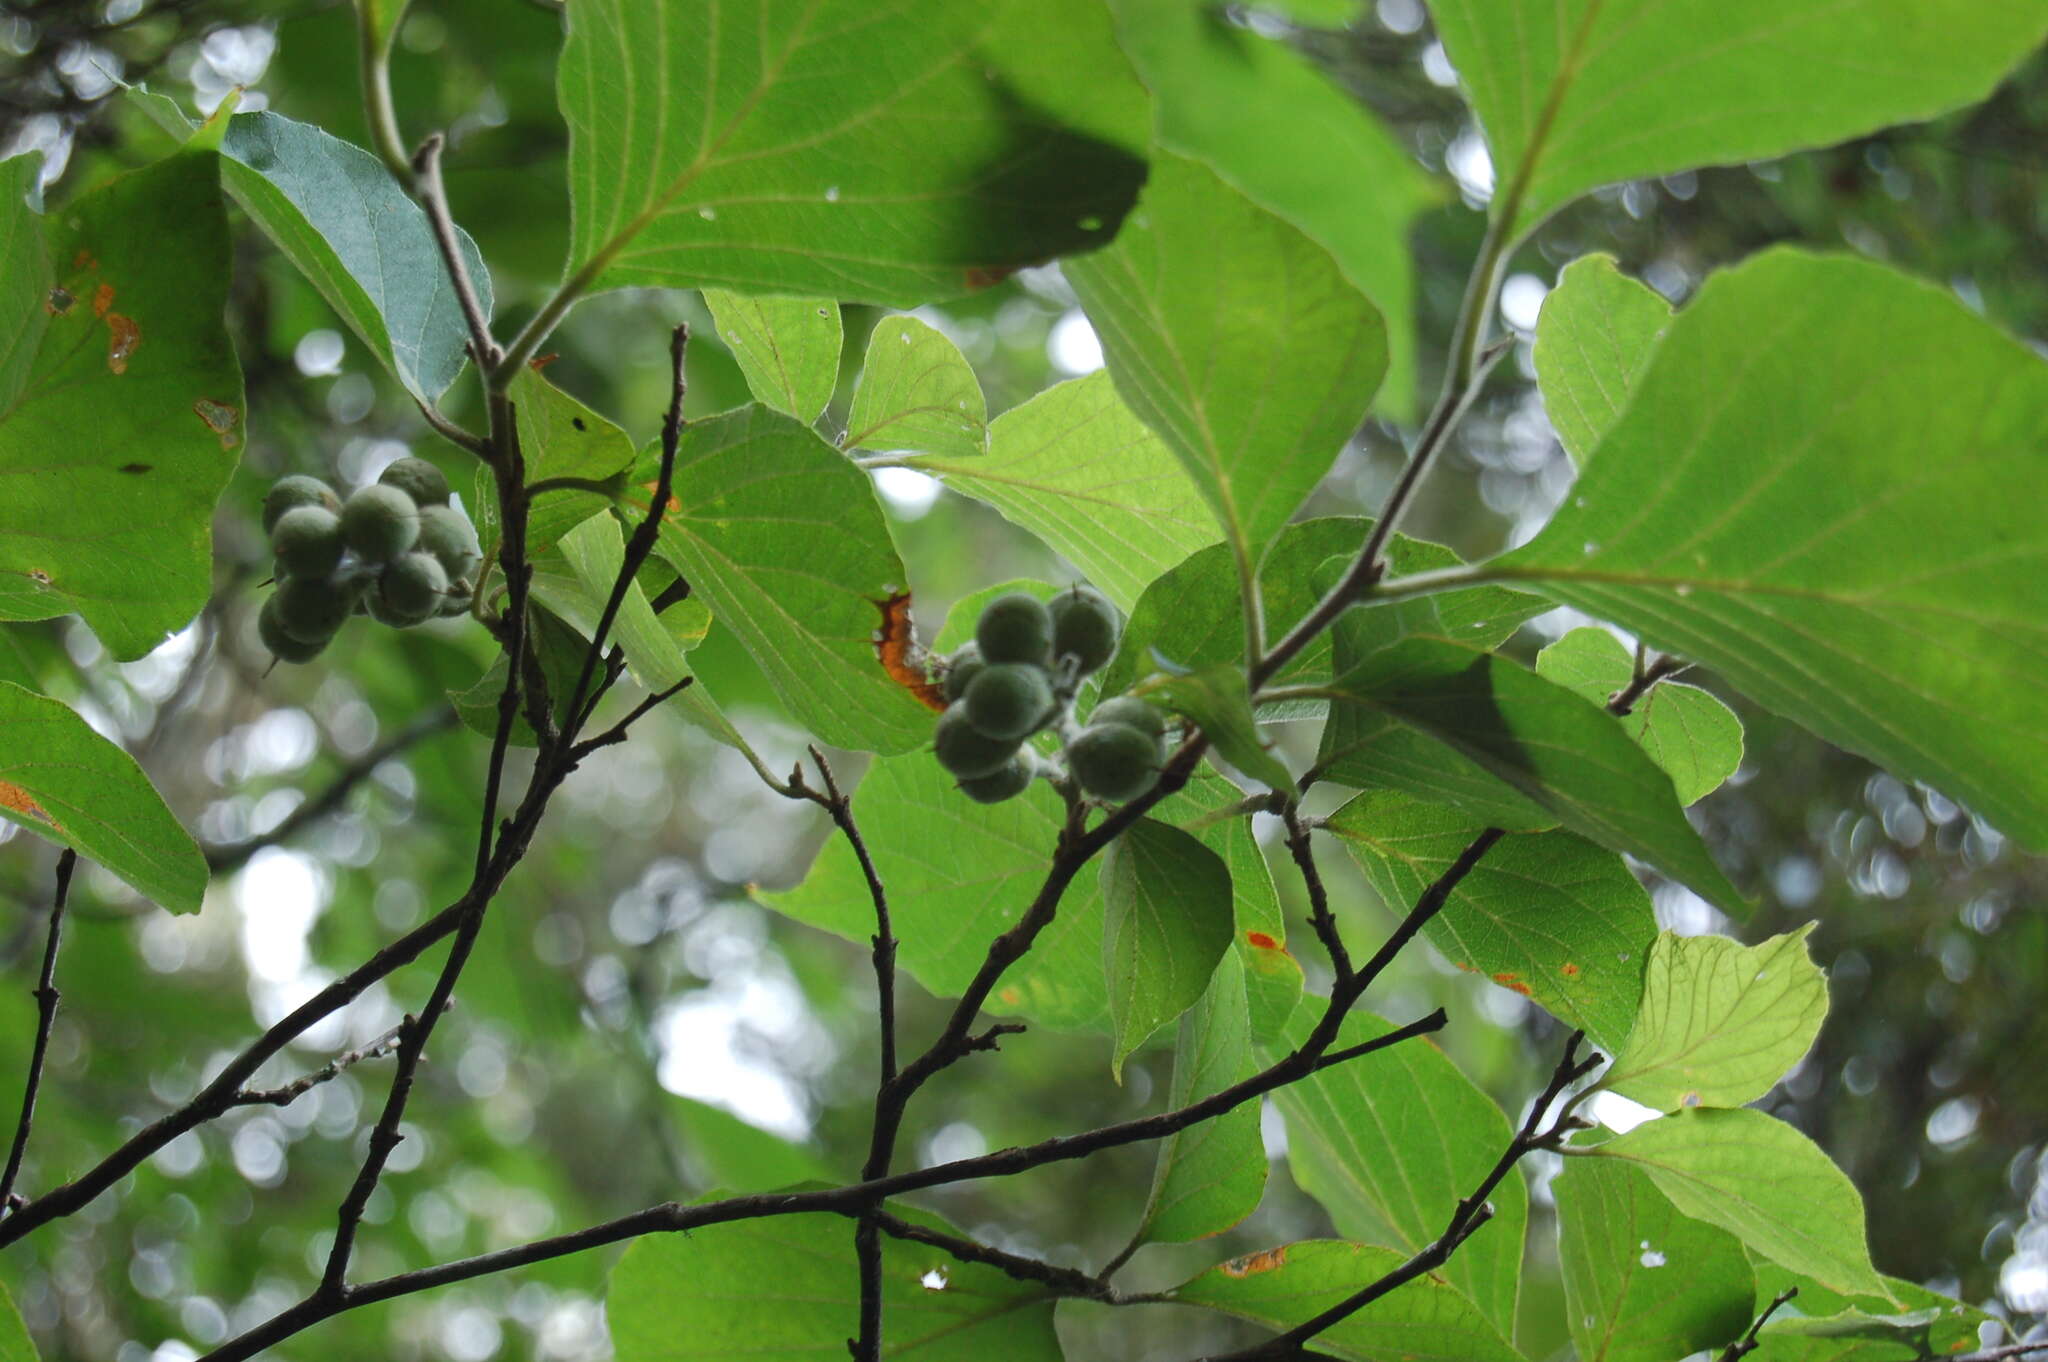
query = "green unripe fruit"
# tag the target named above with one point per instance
(1114, 761)
(961, 668)
(270, 628)
(1132, 712)
(1009, 781)
(380, 522)
(312, 609)
(307, 541)
(297, 490)
(410, 591)
(965, 750)
(1009, 700)
(447, 534)
(418, 479)
(1014, 628)
(453, 604)
(1085, 626)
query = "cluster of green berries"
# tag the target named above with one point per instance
(1019, 677)
(395, 551)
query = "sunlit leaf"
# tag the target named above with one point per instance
(1424, 1320)
(15, 1344)
(1167, 919)
(1721, 1022)
(1293, 142)
(1643, 1283)
(1210, 1177)
(1581, 94)
(1687, 731)
(916, 392)
(1593, 339)
(120, 433)
(788, 1286)
(1391, 1142)
(1076, 468)
(1237, 339)
(64, 781)
(1820, 489)
(787, 347)
(1547, 914)
(1762, 1181)
(1216, 701)
(870, 152)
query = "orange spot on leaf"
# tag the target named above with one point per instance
(675, 503)
(83, 260)
(987, 276)
(540, 362)
(102, 300)
(123, 338)
(896, 648)
(13, 797)
(1469, 969)
(1011, 996)
(1263, 1261)
(1569, 971)
(1262, 941)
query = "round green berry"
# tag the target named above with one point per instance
(1014, 628)
(410, 590)
(313, 609)
(380, 522)
(307, 541)
(1114, 761)
(1085, 626)
(1010, 780)
(418, 479)
(270, 628)
(1009, 700)
(1131, 711)
(961, 668)
(964, 749)
(297, 490)
(447, 534)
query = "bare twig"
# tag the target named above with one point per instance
(305, 1083)
(1647, 674)
(1299, 846)
(1061, 1281)
(1747, 1344)
(46, 997)
(221, 860)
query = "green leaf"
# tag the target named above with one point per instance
(1215, 699)
(1211, 1176)
(916, 392)
(1687, 731)
(1294, 143)
(1582, 94)
(118, 438)
(1167, 918)
(64, 781)
(1813, 492)
(1425, 1320)
(1721, 1022)
(782, 537)
(1557, 750)
(1762, 1181)
(360, 240)
(1193, 616)
(559, 437)
(15, 1344)
(959, 874)
(558, 647)
(595, 551)
(879, 154)
(1593, 339)
(1548, 914)
(1391, 1142)
(1076, 468)
(1238, 340)
(788, 1287)
(1808, 1328)
(787, 347)
(1643, 1283)
(25, 275)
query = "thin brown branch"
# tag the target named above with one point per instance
(1319, 917)
(1747, 1344)
(433, 197)
(333, 1069)
(47, 997)
(222, 860)
(1061, 1281)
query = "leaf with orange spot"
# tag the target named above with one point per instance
(88, 392)
(65, 782)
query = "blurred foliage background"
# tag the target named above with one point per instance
(633, 1013)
